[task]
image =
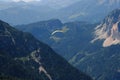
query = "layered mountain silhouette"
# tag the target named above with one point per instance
(87, 10)
(100, 59)
(24, 57)
(65, 38)
(24, 13)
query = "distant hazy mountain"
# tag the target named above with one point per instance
(80, 10)
(26, 12)
(57, 4)
(88, 10)
(24, 57)
(23, 13)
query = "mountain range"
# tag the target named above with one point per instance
(83, 44)
(23, 57)
(60, 40)
(62, 37)
(88, 10)
(24, 13)
(102, 55)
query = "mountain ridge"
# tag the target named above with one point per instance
(109, 29)
(58, 36)
(22, 56)
(72, 12)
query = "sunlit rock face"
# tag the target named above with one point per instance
(109, 29)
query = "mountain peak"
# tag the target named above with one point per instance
(55, 21)
(114, 16)
(52, 23)
(1, 22)
(109, 29)
(3, 25)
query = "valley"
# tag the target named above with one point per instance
(59, 40)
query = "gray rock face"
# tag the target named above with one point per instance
(109, 29)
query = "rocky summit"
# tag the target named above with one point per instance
(109, 29)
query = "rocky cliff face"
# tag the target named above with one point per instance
(109, 29)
